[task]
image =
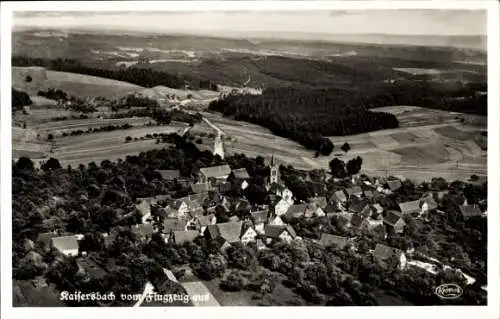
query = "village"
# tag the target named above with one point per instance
(183, 220)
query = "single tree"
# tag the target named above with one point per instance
(346, 147)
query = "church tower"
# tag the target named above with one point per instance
(274, 178)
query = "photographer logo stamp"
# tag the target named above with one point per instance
(449, 291)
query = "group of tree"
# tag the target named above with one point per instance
(90, 130)
(53, 94)
(140, 76)
(162, 116)
(19, 100)
(306, 116)
(340, 169)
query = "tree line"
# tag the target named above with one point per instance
(306, 116)
(140, 76)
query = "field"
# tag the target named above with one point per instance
(74, 84)
(429, 143)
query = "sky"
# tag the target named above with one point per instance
(399, 22)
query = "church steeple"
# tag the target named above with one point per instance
(274, 178)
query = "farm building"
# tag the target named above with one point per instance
(394, 222)
(410, 208)
(274, 232)
(469, 211)
(218, 174)
(67, 245)
(169, 174)
(329, 240)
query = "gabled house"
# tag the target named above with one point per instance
(354, 191)
(428, 203)
(46, 238)
(313, 210)
(144, 208)
(378, 208)
(232, 232)
(280, 191)
(410, 208)
(184, 236)
(225, 187)
(282, 207)
(469, 211)
(239, 178)
(248, 234)
(329, 240)
(66, 245)
(179, 208)
(386, 253)
(394, 222)
(198, 188)
(169, 174)
(217, 174)
(201, 222)
(393, 185)
(276, 221)
(259, 219)
(296, 211)
(339, 197)
(274, 233)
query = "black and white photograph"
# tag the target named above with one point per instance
(277, 157)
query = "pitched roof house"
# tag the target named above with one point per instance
(428, 203)
(259, 217)
(329, 239)
(169, 174)
(46, 238)
(394, 222)
(410, 208)
(239, 173)
(230, 231)
(275, 232)
(219, 173)
(296, 211)
(67, 245)
(339, 196)
(469, 211)
(385, 253)
(394, 185)
(354, 191)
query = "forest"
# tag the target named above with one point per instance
(306, 116)
(20, 99)
(142, 77)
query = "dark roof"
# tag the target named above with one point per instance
(230, 231)
(329, 239)
(169, 174)
(274, 231)
(357, 205)
(216, 171)
(296, 210)
(354, 190)
(143, 229)
(430, 202)
(46, 238)
(470, 210)
(320, 201)
(356, 220)
(386, 252)
(240, 173)
(65, 242)
(410, 207)
(225, 187)
(213, 231)
(185, 236)
(392, 217)
(340, 196)
(394, 185)
(201, 187)
(330, 209)
(173, 224)
(259, 216)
